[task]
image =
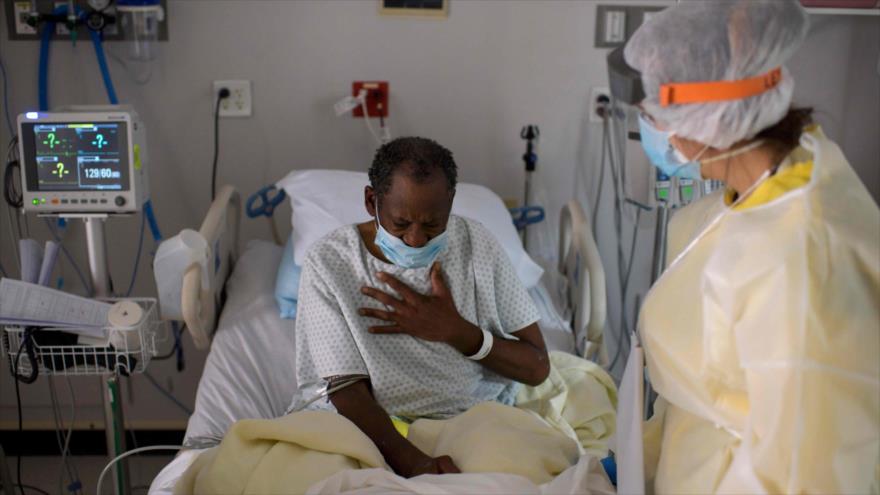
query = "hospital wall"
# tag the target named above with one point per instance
(469, 81)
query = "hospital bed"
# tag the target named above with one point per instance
(250, 371)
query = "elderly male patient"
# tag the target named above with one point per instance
(423, 305)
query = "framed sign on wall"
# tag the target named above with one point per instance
(415, 8)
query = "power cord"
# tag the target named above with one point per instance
(12, 191)
(27, 343)
(6, 99)
(137, 256)
(167, 394)
(63, 438)
(27, 346)
(223, 94)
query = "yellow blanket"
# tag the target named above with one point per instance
(289, 454)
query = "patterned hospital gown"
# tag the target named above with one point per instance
(410, 377)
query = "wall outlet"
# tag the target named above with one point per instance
(239, 102)
(22, 11)
(597, 95)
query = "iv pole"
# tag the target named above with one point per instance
(114, 423)
(529, 133)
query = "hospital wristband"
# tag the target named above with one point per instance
(486, 348)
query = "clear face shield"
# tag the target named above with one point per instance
(643, 198)
(642, 183)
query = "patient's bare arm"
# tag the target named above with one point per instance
(356, 402)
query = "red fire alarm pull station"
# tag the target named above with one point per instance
(377, 98)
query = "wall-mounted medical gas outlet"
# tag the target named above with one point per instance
(600, 101)
(377, 98)
(18, 12)
(615, 24)
(239, 102)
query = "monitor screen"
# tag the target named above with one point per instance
(76, 156)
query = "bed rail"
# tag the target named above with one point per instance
(580, 264)
(201, 305)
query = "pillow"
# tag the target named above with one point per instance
(287, 282)
(324, 200)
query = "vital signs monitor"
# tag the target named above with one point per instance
(83, 160)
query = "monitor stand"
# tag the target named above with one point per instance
(114, 425)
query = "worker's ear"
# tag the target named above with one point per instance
(370, 200)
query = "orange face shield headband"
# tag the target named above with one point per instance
(703, 92)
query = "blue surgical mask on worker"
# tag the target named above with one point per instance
(663, 155)
(399, 253)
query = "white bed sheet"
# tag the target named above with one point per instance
(249, 372)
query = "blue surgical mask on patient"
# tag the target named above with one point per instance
(663, 155)
(399, 253)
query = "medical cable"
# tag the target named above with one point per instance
(139, 468)
(224, 93)
(362, 97)
(31, 487)
(624, 265)
(137, 256)
(329, 392)
(130, 453)
(173, 350)
(599, 186)
(176, 349)
(14, 363)
(625, 325)
(27, 346)
(628, 262)
(618, 231)
(77, 484)
(11, 193)
(167, 395)
(6, 98)
(13, 198)
(64, 439)
(12, 233)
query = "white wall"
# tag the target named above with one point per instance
(470, 82)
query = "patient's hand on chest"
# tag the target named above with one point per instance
(431, 317)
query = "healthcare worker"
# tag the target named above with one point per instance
(762, 338)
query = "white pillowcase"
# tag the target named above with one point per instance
(324, 200)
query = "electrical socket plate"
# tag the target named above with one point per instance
(22, 10)
(616, 23)
(239, 102)
(595, 93)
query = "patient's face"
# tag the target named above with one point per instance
(416, 211)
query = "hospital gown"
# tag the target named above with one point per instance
(409, 377)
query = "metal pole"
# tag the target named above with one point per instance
(528, 187)
(115, 431)
(659, 261)
(114, 426)
(97, 255)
